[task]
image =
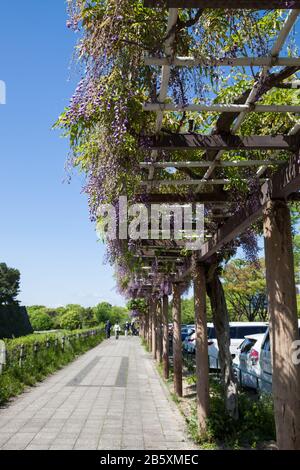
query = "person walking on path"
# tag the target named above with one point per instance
(117, 329)
(127, 327)
(107, 329)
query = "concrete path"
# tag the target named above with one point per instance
(110, 398)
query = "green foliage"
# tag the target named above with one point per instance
(140, 305)
(119, 315)
(104, 311)
(188, 312)
(74, 316)
(255, 424)
(43, 354)
(245, 290)
(9, 284)
(71, 320)
(40, 321)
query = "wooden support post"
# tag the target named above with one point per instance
(177, 344)
(221, 322)
(150, 325)
(142, 326)
(154, 328)
(158, 332)
(202, 369)
(146, 325)
(165, 347)
(283, 323)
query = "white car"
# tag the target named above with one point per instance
(238, 331)
(265, 379)
(187, 344)
(246, 362)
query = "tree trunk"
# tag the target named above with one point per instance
(283, 323)
(159, 332)
(221, 323)
(154, 328)
(150, 325)
(146, 325)
(165, 348)
(201, 347)
(177, 344)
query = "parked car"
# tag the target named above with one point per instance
(238, 331)
(189, 342)
(246, 362)
(184, 332)
(265, 379)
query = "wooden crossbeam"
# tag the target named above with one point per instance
(205, 164)
(192, 141)
(294, 85)
(190, 182)
(218, 197)
(284, 183)
(221, 108)
(228, 4)
(223, 62)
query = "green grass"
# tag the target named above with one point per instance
(254, 426)
(145, 344)
(43, 355)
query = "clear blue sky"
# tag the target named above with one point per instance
(45, 230)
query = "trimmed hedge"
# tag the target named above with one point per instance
(14, 321)
(31, 358)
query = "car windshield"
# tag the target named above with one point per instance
(247, 345)
(237, 332)
(211, 332)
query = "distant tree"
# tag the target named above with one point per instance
(295, 217)
(71, 320)
(9, 284)
(245, 290)
(187, 311)
(88, 318)
(36, 308)
(139, 305)
(102, 312)
(296, 246)
(40, 321)
(118, 314)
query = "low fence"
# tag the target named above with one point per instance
(19, 353)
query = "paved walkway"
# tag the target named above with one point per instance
(110, 398)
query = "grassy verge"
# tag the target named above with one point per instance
(255, 427)
(31, 358)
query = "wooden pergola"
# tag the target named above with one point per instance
(269, 201)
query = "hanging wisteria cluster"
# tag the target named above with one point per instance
(105, 118)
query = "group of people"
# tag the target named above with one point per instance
(128, 327)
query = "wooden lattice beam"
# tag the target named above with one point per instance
(205, 164)
(228, 4)
(172, 198)
(223, 62)
(283, 184)
(190, 182)
(222, 108)
(224, 141)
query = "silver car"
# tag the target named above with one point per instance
(246, 362)
(265, 379)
